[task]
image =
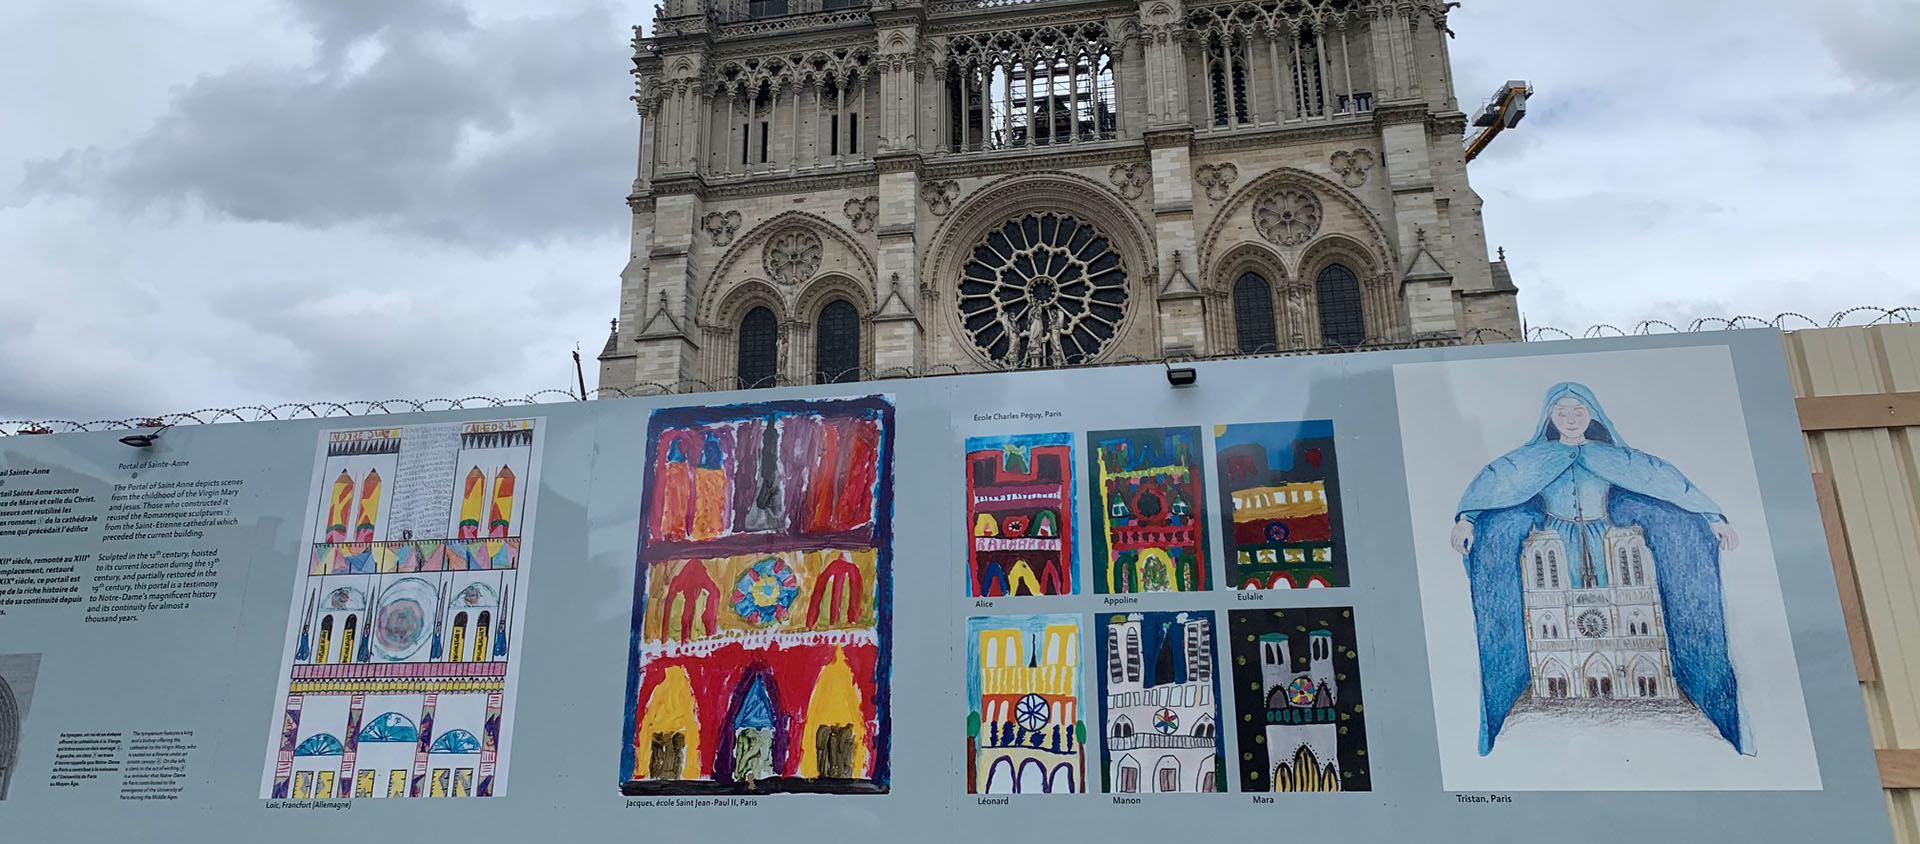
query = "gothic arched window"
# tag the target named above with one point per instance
(1253, 314)
(1553, 569)
(1539, 572)
(1309, 88)
(759, 348)
(766, 8)
(1639, 572)
(1341, 320)
(836, 347)
(1229, 89)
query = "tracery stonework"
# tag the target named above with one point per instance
(1008, 184)
(1043, 290)
(1288, 216)
(793, 256)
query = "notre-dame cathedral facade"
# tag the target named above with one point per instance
(840, 189)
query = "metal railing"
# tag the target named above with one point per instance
(1857, 316)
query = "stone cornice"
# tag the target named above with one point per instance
(1413, 111)
(776, 186)
(810, 22)
(1342, 130)
(1173, 137)
(958, 16)
(773, 185)
(981, 165)
(1452, 124)
(801, 42)
(907, 161)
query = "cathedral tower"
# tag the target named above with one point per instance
(836, 190)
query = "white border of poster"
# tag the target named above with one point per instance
(1683, 406)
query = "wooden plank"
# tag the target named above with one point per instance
(1843, 575)
(1866, 410)
(1899, 768)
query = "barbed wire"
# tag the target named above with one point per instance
(285, 411)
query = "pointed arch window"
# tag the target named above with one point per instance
(759, 348)
(1227, 77)
(1253, 314)
(837, 344)
(1341, 320)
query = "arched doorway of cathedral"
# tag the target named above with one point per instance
(669, 732)
(993, 581)
(1062, 780)
(1045, 269)
(1050, 577)
(1020, 581)
(1305, 773)
(1167, 775)
(1553, 679)
(748, 749)
(1156, 570)
(1281, 580)
(1207, 782)
(1129, 774)
(1599, 676)
(1123, 573)
(1000, 777)
(1032, 779)
(1646, 678)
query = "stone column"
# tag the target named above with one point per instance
(899, 321)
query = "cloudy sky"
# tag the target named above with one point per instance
(208, 203)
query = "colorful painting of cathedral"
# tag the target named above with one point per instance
(1149, 531)
(1280, 502)
(402, 647)
(761, 619)
(1159, 704)
(1020, 498)
(1025, 730)
(1296, 682)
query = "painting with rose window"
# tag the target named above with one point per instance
(760, 646)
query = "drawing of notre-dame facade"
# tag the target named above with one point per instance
(1595, 627)
(836, 190)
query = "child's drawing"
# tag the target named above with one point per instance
(1280, 493)
(761, 618)
(1149, 530)
(1020, 522)
(1025, 732)
(1595, 572)
(403, 639)
(1296, 680)
(1159, 704)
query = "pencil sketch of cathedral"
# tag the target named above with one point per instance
(835, 190)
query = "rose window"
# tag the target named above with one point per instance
(1288, 216)
(1043, 290)
(792, 256)
(1592, 624)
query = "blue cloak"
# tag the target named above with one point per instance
(1504, 504)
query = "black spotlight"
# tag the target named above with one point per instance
(1181, 376)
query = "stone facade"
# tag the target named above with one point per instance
(999, 184)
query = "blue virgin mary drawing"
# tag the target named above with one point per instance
(1595, 575)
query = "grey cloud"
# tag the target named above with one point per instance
(489, 136)
(1873, 40)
